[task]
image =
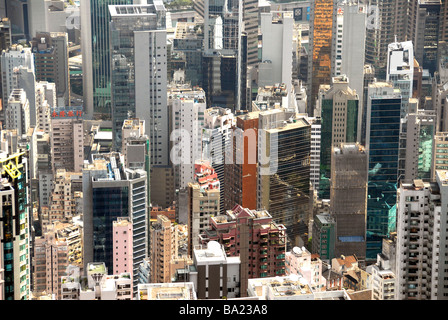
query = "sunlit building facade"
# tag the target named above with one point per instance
(321, 34)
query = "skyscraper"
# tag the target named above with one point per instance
(111, 191)
(423, 30)
(348, 195)
(51, 62)
(277, 34)
(16, 227)
(386, 19)
(400, 70)
(96, 59)
(319, 63)
(349, 42)
(340, 116)
(382, 145)
(284, 145)
(225, 53)
(138, 73)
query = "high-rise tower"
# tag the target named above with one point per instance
(95, 19)
(321, 32)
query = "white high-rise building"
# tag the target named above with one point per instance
(400, 70)
(216, 139)
(348, 45)
(187, 116)
(277, 35)
(15, 57)
(139, 73)
(17, 114)
(421, 250)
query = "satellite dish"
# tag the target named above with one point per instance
(296, 250)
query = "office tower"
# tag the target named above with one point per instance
(188, 40)
(348, 199)
(44, 91)
(16, 227)
(17, 11)
(400, 71)
(24, 79)
(417, 145)
(386, 19)
(316, 138)
(340, 123)
(417, 85)
(443, 26)
(284, 146)
(348, 43)
(423, 31)
(162, 186)
(440, 150)
(441, 75)
(277, 34)
(440, 103)
(51, 62)
(421, 239)
(216, 142)
(67, 143)
(203, 202)
(48, 16)
(320, 40)
(17, 112)
(5, 41)
(135, 148)
(50, 263)
(5, 33)
(122, 242)
(382, 145)
(323, 240)
(96, 58)
(252, 235)
(225, 53)
(111, 190)
(187, 108)
(12, 58)
(164, 247)
(250, 21)
(138, 73)
(241, 175)
(369, 77)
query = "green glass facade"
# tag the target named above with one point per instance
(425, 151)
(108, 205)
(99, 20)
(351, 130)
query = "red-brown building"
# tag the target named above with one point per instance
(254, 237)
(241, 176)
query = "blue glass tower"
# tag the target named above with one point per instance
(382, 144)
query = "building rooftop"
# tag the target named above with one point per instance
(166, 291)
(280, 287)
(96, 267)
